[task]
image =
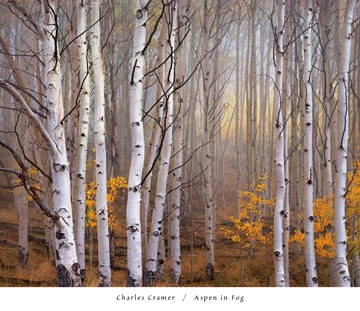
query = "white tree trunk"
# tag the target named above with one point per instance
(68, 269)
(342, 270)
(279, 153)
(207, 160)
(82, 137)
(176, 184)
(286, 117)
(21, 205)
(134, 262)
(100, 148)
(154, 144)
(310, 263)
(157, 220)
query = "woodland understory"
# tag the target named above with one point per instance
(179, 143)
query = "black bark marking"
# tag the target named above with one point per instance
(132, 229)
(161, 261)
(76, 268)
(139, 14)
(60, 235)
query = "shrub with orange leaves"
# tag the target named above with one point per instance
(324, 237)
(353, 209)
(114, 185)
(249, 227)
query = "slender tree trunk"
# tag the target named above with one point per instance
(153, 145)
(134, 260)
(279, 153)
(207, 161)
(286, 112)
(174, 213)
(342, 270)
(82, 138)
(21, 204)
(157, 221)
(100, 149)
(68, 269)
(310, 263)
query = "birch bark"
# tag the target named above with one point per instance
(68, 269)
(279, 152)
(175, 255)
(82, 137)
(207, 187)
(310, 264)
(342, 270)
(100, 148)
(157, 220)
(134, 261)
(154, 144)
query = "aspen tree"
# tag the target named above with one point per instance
(21, 198)
(68, 269)
(175, 206)
(310, 264)
(286, 111)
(154, 144)
(207, 160)
(342, 270)
(133, 227)
(157, 219)
(279, 150)
(82, 137)
(100, 148)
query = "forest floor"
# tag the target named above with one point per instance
(39, 271)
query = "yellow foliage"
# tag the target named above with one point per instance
(324, 239)
(353, 209)
(250, 225)
(33, 175)
(114, 185)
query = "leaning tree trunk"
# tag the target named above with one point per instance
(279, 153)
(134, 263)
(82, 137)
(310, 263)
(342, 270)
